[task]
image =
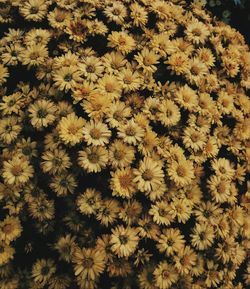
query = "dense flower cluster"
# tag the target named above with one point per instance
(125, 146)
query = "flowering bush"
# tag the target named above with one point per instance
(124, 139)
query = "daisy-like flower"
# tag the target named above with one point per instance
(4, 74)
(120, 154)
(96, 133)
(169, 113)
(110, 86)
(67, 77)
(92, 68)
(42, 113)
(78, 29)
(202, 236)
(185, 260)
(88, 263)
(59, 18)
(138, 14)
(108, 211)
(223, 168)
(114, 62)
(124, 240)
(9, 129)
(42, 271)
(34, 55)
(149, 175)
(34, 10)
(93, 159)
(116, 12)
(70, 129)
(171, 241)
(17, 170)
(165, 275)
(187, 97)
(130, 132)
(55, 161)
(147, 60)
(161, 213)
(63, 184)
(121, 41)
(181, 209)
(6, 253)
(10, 229)
(220, 188)
(117, 113)
(194, 139)
(197, 32)
(197, 71)
(11, 54)
(206, 56)
(177, 63)
(182, 172)
(122, 184)
(89, 201)
(130, 80)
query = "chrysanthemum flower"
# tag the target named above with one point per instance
(34, 54)
(185, 260)
(9, 129)
(89, 201)
(171, 241)
(6, 253)
(169, 113)
(17, 170)
(10, 229)
(165, 275)
(148, 175)
(70, 129)
(122, 184)
(88, 263)
(124, 240)
(147, 60)
(197, 32)
(42, 113)
(121, 41)
(108, 212)
(96, 133)
(202, 236)
(34, 10)
(223, 168)
(161, 213)
(65, 247)
(181, 172)
(93, 159)
(130, 132)
(67, 77)
(120, 154)
(42, 271)
(177, 63)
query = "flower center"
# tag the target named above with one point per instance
(95, 133)
(93, 157)
(88, 262)
(16, 170)
(181, 171)
(7, 228)
(123, 239)
(125, 180)
(147, 175)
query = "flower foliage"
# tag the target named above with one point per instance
(125, 146)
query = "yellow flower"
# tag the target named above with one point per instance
(10, 229)
(122, 184)
(223, 168)
(170, 241)
(9, 129)
(202, 236)
(120, 154)
(148, 175)
(116, 12)
(55, 161)
(182, 172)
(197, 32)
(42, 271)
(96, 133)
(121, 41)
(93, 159)
(66, 78)
(17, 170)
(34, 10)
(130, 132)
(124, 240)
(65, 247)
(6, 253)
(42, 113)
(70, 129)
(147, 60)
(89, 201)
(88, 263)
(165, 275)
